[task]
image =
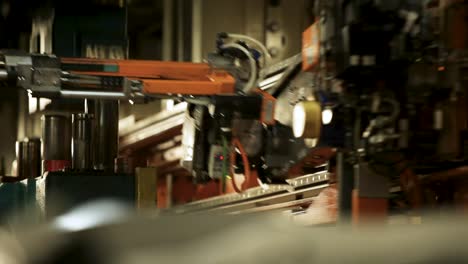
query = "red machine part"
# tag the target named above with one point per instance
(55, 165)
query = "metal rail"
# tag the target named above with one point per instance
(298, 188)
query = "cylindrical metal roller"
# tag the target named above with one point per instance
(82, 141)
(106, 134)
(307, 120)
(28, 156)
(56, 142)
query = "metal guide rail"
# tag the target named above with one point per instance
(261, 196)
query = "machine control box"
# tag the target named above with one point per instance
(217, 159)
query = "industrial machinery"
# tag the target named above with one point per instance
(376, 100)
(228, 118)
(226, 106)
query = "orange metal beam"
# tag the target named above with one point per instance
(219, 83)
(146, 68)
(159, 77)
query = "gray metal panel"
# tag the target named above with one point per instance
(284, 26)
(220, 16)
(248, 17)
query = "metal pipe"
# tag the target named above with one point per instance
(92, 94)
(345, 175)
(266, 54)
(81, 81)
(252, 83)
(106, 113)
(82, 141)
(197, 23)
(168, 32)
(28, 156)
(56, 142)
(169, 186)
(56, 137)
(3, 75)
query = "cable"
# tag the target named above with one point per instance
(266, 54)
(253, 67)
(237, 144)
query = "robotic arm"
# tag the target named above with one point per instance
(228, 119)
(49, 76)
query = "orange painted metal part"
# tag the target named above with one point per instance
(213, 188)
(251, 178)
(146, 68)
(311, 47)
(183, 191)
(208, 190)
(161, 193)
(268, 107)
(368, 209)
(160, 77)
(216, 83)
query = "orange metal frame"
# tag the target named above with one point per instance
(160, 77)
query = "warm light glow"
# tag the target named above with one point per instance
(32, 103)
(126, 122)
(327, 116)
(169, 105)
(307, 119)
(299, 120)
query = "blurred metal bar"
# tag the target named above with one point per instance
(157, 131)
(306, 186)
(345, 173)
(28, 155)
(180, 29)
(56, 137)
(178, 109)
(282, 65)
(197, 55)
(82, 141)
(3, 75)
(106, 113)
(23, 114)
(168, 32)
(81, 81)
(92, 94)
(168, 36)
(280, 205)
(169, 187)
(272, 202)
